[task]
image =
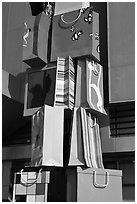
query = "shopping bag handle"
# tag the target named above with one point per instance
(26, 35)
(100, 185)
(82, 10)
(94, 124)
(38, 116)
(30, 184)
(69, 22)
(93, 67)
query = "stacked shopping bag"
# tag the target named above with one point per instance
(88, 112)
(78, 88)
(66, 133)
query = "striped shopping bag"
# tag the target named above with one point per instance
(65, 83)
(76, 157)
(91, 140)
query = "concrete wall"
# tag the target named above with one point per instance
(121, 51)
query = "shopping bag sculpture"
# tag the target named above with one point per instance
(35, 40)
(76, 33)
(79, 31)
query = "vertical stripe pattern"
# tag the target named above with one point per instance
(64, 94)
(91, 140)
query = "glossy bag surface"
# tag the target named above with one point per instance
(91, 140)
(76, 157)
(89, 86)
(39, 89)
(85, 148)
(65, 83)
(13, 17)
(94, 80)
(76, 33)
(44, 184)
(37, 138)
(50, 136)
(35, 40)
(31, 186)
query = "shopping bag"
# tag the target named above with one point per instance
(31, 186)
(76, 157)
(13, 17)
(94, 76)
(65, 83)
(48, 136)
(39, 88)
(76, 33)
(52, 85)
(35, 40)
(89, 86)
(37, 138)
(91, 140)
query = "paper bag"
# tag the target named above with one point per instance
(89, 86)
(76, 157)
(76, 33)
(39, 89)
(91, 140)
(13, 17)
(31, 186)
(48, 136)
(35, 40)
(37, 138)
(65, 83)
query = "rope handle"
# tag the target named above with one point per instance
(33, 117)
(93, 66)
(25, 182)
(38, 116)
(94, 123)
(70, 22)
(100, 185)
(82, 10)
(95, 70)
(26, 35)
(49, 9)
